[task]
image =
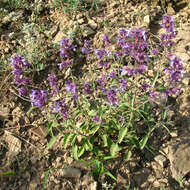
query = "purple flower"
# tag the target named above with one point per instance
(112, 97)
(52, 80)
(155, 51)
(106, 40)
(101, 53)
(103, 64)
(127, 70)
(102, 82)
(38, 97)
(71, 87)
(87, 88)
(125, 33)
(168, 23)
(124, 86)
(19, 61)
(96, 119)
(65, 63)
(141, 69)
(22, 80)
(62, 108)
(66, 47)
(22, 91)
(176, 69)
(112, 75)
(145, 87)
(86, 48)
(172, 91)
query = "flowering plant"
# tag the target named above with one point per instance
(110, 113)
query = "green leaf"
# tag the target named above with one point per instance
(7, 174)
(128, 154)
(114, 148)
(45, 179)
(52, 141)
(109, 174)
(30, 110)
(105, 140)
(81, 152)
(94, 130)
(67, 139)
(75, 152)
(88, 145)
(156, 75)
(122, 134)
(92, 113)
(145, 139)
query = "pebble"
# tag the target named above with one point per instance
(92, 24)
(71, 172)
(160, 159)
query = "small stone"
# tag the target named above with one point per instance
(92, 24)
(71, 172)
(160, 159)
(173, 134)
(156, 184)
(80, 21)
(185, 81)
(179, 157)
(115, 4)
(147, 19)
(87, 31)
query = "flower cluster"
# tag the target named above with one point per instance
(112, 96)
(102, 54)
(71, 87)
(87, 88)
(168, 23)
(133, 43)
(62, 108)
(18, 63)
(86, 48)
(130, 71)
(176, 69)
(66, 47)
(52, 81)
(176, 73)
(38, 97)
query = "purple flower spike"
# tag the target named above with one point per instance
(96, 119)
(87, 88)
(65, 63)
(106, 40)
(22, 91)
(86, 48)
(112, 75)
(52, 80)
(127, 71)
(111, 95)
(155, 51)
(38, 97)
(62, 109)
(101, 53)
(71, 87)
(168, 23)
(124, 86)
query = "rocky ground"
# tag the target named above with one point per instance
(24, 137)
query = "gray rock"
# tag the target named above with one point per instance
(87, 31)
(80, 21)
(160, 159)
(71, 172)
(179, 157)
(92, 24)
